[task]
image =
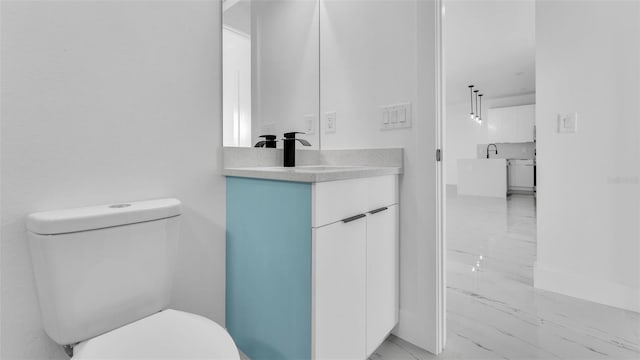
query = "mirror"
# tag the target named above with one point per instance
(270, 62)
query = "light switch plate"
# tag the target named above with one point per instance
(385, 116)
(396, 116)
(393, 115)
(310, 124)
(402, 114)
(568, 123)
(331, 122)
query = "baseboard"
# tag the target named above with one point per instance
(596, 290)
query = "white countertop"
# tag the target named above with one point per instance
(311, 173)
(482, 177)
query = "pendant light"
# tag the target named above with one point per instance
(480, 110)
(471, 114)
(476, 112)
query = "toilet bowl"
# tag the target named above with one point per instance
(103, 275)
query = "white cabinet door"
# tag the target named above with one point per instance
(511, 124)
(382, 275)
(339, 290)
(521, 174)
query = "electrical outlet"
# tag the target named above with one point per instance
(331, 122)
(310, 124)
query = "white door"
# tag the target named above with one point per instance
(339, 275)
(382, 275)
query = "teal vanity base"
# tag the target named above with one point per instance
(268, 277)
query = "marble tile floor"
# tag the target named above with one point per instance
(493, 311)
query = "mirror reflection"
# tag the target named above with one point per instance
(270, 71)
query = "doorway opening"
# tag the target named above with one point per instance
(494, 309)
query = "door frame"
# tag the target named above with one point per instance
(440, 102)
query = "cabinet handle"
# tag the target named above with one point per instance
(353, 218)
(378, 210)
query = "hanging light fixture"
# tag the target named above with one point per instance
(471, 114)
(480, 110)
(476, 111)
(475, 117)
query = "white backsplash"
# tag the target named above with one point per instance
(525, 150)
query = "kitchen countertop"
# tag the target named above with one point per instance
(311, 173)
(482, 177)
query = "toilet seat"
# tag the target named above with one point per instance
(169, 334)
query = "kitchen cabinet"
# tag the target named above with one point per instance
(511, 124)
(521, 175)
(312, 268)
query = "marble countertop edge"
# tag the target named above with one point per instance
(303, 174)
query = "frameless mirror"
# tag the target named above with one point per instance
(270, 51)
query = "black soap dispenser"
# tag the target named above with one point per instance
(268, 142)
(290, 148)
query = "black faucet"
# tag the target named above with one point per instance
(269, 142)
(496, 149)
(290, 148)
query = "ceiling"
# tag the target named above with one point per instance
(489, 44)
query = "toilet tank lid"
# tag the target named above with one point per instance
(102, 216)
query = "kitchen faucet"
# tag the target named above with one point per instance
(495, 147)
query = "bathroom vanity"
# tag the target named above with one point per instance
(312, 260)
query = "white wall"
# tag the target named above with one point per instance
(376, 53)
(588, 61)
(491, 44)
(108, 102)
(284, 67)
(236, 88)
(462, 135)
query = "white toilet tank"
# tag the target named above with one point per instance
(99, 268)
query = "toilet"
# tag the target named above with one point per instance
(103, 275)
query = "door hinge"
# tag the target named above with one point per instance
(438, 155)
